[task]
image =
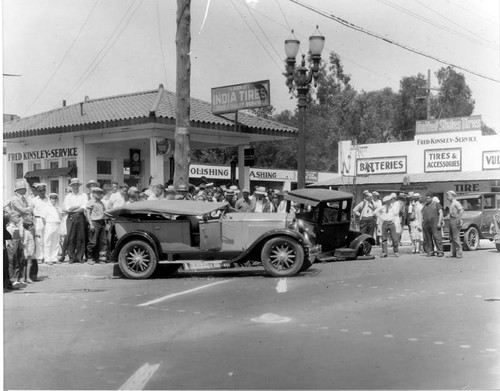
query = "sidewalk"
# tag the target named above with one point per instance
(111, 270)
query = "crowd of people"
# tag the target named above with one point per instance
(384, 220)
(40, 228)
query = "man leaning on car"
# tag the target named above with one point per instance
(456, 211)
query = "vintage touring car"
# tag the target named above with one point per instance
(178, 232)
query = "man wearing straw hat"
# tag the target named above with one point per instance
(386, 213)
(19, 203)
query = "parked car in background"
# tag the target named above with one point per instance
(202, 235)
(479, 210)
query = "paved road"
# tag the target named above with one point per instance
(396, 323)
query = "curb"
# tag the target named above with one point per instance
(80, 269)
(112, 270)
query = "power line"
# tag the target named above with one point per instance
(282, 13)
(263, 32)
(255, 35)
(455, 23)
(104, 49)
(63, 59)
(392, 42)
(437, 25)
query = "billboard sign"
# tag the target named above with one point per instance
(445, 125)
(229, 99)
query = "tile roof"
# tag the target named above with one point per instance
(135, 108)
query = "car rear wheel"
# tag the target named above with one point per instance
(364, 248)
(471, 239)
(137, 259)
(282, 256)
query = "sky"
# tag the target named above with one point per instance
(69, 49)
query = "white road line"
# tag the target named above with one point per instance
(160, 299)
(140, 378)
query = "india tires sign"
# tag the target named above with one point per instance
(229, 99)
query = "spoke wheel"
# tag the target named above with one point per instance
(364, 248)
(137, 259)
(471, 239)
(282, 257)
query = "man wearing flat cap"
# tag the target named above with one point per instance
(456, 211)
(94, 212)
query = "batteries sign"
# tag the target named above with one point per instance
(232, 98)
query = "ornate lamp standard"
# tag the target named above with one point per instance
(300, 78)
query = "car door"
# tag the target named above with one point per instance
(489, 210)
(333, 224)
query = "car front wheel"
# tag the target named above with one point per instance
(137, 259)
(282, 257)
(471, 239)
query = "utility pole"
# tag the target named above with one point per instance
(182, 154)
(428, 94)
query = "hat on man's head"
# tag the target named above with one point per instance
(96, 189)
(229, 192)
(387, 199)
(20, 185)
(246, 190)
(132, 189)
(367, 194)
(394, 195)
(375, 193)
(92, 183)
(53, 195)
(261, 190)
(75, 181)
(170, 189)
(182, 188)
(235, 189)
(416, 195)
(209, 184)
(451, 192)
(40, 185)
(34, 185)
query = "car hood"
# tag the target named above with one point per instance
(173, 207)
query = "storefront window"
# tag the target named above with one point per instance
(104, 167)
(54, 164)
(71, 163)
(18, 167)
(36, 166)
(54, 186)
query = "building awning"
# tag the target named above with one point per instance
(429, 177)
(51, 172)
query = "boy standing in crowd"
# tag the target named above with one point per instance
(51, 217)
(94, 212)
(15, 248)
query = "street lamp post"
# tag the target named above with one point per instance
(300, 78)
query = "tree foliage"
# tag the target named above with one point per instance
(336, 112)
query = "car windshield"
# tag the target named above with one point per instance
(471, 203)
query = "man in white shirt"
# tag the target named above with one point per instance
(38, 204)
(386, 213)
(74, 203)
(365, 211)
